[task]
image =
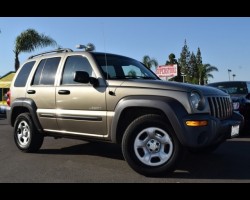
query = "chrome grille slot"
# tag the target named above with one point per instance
(220, 107)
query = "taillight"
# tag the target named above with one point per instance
(8, 98)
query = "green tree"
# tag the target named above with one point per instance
(206, 73)
(184, 61)
(193, 71)
(199, 65)
(28, 41)
(132, 73)
(172, 60)
(149, 62)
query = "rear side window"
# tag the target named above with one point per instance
(23, 75)
(46, 71)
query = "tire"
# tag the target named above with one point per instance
(150, 146)
(26, 137)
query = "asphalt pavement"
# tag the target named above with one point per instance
(76, 161)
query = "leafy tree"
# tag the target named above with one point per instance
(184, 61)
(193, 71)
(149, 62)
(173, 61)
(132, 73)
(206, 73)
(28, 41)
(199, 65)
(198, 57)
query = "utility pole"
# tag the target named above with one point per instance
(233, 76)
(229, 71)
(183, 77)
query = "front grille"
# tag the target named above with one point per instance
(220, 107)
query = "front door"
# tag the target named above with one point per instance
(81, 108)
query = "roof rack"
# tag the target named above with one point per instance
(53, 51)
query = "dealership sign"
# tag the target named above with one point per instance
(166, 71)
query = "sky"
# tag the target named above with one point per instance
(224, 41)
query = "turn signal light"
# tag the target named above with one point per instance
(197, 123)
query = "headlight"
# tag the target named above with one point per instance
(196, 100)
(236, 105)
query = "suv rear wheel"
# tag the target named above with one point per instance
(150, 146)
(26, 136)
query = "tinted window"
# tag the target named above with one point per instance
(73, 64)
(232, 87)
(46, 71)
(24, 74)
(120, 67)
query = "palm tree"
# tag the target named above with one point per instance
(148, 62)
(205, 73)
(28, 41)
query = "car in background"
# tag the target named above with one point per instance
(2, 111)
(3, 107)
(240, 94)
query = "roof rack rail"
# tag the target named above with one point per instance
(53, 51)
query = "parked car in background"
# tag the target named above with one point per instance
(3, 107)
(2, 111)
(240, 94)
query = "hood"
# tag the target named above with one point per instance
(237, 97)
(166, 85)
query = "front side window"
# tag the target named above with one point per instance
(24, 74)
(120, 67)
(73, 64)
(46, 71)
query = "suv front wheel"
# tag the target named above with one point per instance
(26, 137)
(150, 146)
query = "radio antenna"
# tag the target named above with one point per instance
(106, 62)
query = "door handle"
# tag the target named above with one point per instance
(64, 92)
(31, 91)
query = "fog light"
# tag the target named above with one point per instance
(196, 123)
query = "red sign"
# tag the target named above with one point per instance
(166, 71)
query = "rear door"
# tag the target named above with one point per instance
(81, 108)
(42, 91)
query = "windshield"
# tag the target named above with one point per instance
(232, 87)
(120, 67)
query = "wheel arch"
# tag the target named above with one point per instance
(22, 105)
(130, 108)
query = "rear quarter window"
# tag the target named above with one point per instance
(46, 71)
(23, 74)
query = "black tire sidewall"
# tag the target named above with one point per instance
(128, 146)
(20, 118)
(36, 139)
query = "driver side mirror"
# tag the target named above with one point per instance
(83, 77)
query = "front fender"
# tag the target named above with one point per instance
(172, 109)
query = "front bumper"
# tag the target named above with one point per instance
(215, 132)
